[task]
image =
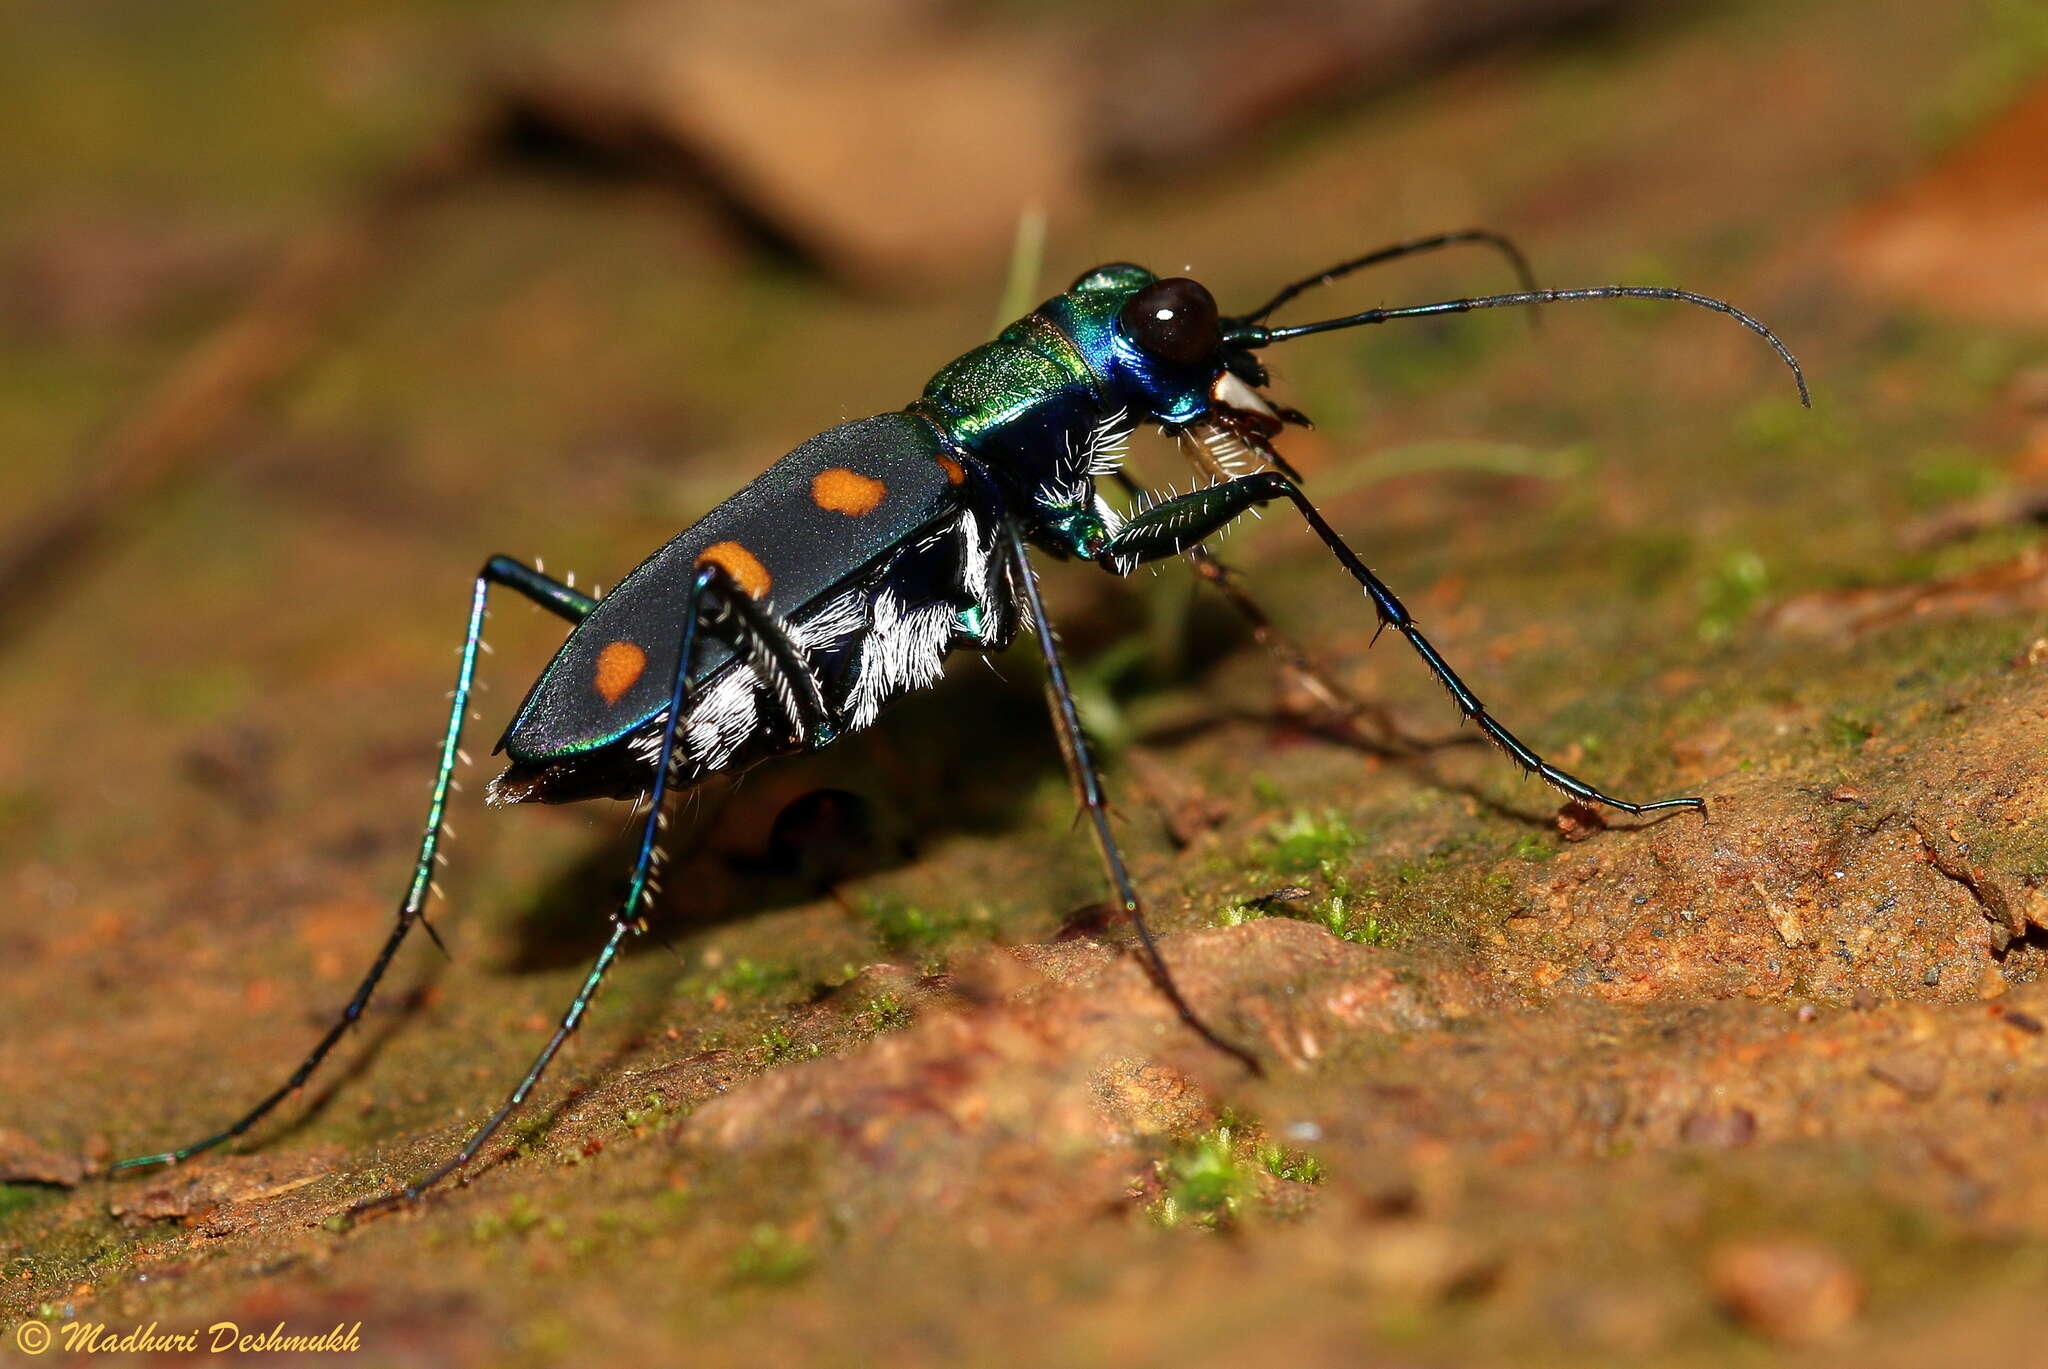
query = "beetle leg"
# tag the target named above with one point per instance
(750, 628)
(1292, 657)
(1088, 784)
(1171, 528)
(712, 595)
(550, 594)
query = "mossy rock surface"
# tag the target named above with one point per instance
(1540, 1090)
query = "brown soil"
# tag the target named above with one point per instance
(1542, 1088)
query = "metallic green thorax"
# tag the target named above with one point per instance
(1002, 383)
(1037, 405)
(1040, 373)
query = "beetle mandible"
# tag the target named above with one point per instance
(844, 575)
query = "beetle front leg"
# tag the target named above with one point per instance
(552, 595)
(1290, 654)
(746, 625)
(1172, 527)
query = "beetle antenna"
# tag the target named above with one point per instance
(1255, 335)
(1500, 244)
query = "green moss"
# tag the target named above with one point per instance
(650, 1111)
(746, 978)
(1294, 1166)
(769, 1257)
(1345, 914)
(1341, 916)
(1729, 593)
(778, 1047)
(516, 1220)
(906, 928)
(1212, 1178)
(2011, 49)
(887, 1013)
(1849, 731)
(16, 1199)
(1204, 1182)
(1305, 842)
(1947, 474)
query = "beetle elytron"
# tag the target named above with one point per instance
(844, 575)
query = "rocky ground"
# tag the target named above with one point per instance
(1541, 1089)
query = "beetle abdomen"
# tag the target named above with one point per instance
(877, 638)
(802, 530)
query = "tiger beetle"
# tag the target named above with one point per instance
(845, 574)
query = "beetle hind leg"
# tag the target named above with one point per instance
(715, 605)
(550, 594)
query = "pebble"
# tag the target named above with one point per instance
(1788, 1290)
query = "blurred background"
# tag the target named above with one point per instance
(306, 309)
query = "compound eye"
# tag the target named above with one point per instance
(1174, 319)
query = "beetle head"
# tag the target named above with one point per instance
(1167, 351)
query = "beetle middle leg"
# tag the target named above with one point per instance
(1173, 526)
(552, 595)
(1088, 784)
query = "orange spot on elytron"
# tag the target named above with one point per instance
(954, 474)
(742, 565)
(618, 666)
(847, 492)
